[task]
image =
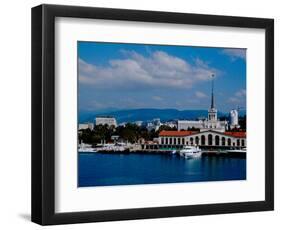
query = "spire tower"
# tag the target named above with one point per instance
(212, 97)
(212, 113)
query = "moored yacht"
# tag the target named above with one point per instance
(190, 152)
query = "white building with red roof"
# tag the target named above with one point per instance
(212, 133)
(209, 138)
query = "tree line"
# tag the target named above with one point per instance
(128, 133)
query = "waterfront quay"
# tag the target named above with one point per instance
(206, 150)
(155, 148)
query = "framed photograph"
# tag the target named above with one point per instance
(142, 114)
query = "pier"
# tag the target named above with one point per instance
(166, 150)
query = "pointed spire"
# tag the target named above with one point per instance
(212, 99)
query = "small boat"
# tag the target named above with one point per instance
(86, 148)
(237, 151)
(190, 152)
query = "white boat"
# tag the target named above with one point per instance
(86, 148)
(190, 152)
(243, 150)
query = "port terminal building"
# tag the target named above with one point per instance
(212, 134)
(211, 140)
(205, 139)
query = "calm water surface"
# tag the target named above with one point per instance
(98, 169)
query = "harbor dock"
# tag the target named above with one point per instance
(158, 149)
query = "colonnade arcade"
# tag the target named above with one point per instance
(204, 139)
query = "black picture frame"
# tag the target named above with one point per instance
(43, 114)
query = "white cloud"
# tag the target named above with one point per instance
(201, 63)
(239, 97)
(157, 98)
(200, 95)
(235, 53)
(233, 100)
(241, 93)
(159, 69)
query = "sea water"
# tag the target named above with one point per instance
(105, 169)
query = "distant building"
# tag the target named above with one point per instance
(88, 125)
(154, 124)
(115, 138)
(138, 123)
(233, 117)
(123, 124)
(186, 124)
(156, 121)
(150, 126)
(171, 124)
(106, 120)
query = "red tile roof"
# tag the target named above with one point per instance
(236, 134)
(173, 133)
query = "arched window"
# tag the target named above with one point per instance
(238, 142)
(182, 141)
(191, 140)
(197, 140)
(243, 142)
(229, 142)
(170, 141)
(202, 140)
(223, 141)
(210, 139)
(217, 139)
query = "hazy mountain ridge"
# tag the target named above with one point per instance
(147, 114)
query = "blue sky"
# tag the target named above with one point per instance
(129, 76)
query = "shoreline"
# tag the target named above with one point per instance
(168, 153)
